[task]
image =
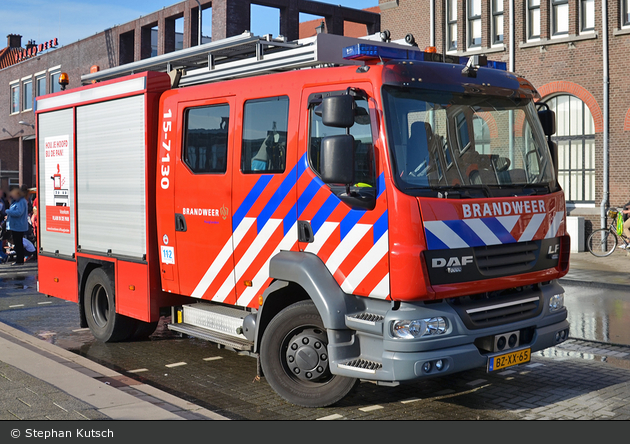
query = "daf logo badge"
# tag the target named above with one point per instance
(452, 264)
(165, 239)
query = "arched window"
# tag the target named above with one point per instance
(575, 136)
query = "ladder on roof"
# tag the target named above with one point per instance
(242, 56)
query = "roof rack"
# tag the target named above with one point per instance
(241, 56)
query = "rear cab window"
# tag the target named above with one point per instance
(265, 127)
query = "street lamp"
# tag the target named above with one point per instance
(22, 122)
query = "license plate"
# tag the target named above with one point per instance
(509, 359)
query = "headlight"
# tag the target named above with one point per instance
(556, 302)
(417, 328)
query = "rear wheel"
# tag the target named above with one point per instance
(602, 242)
(100, 310)
(294, 358)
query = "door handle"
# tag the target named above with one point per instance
(180, 223)
(305, 231)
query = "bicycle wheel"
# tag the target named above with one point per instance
(602, 242)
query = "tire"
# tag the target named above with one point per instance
(600, 237)
(100, 310)
(306, 381)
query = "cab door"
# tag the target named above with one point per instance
(264, 198)
(203, 207)
(349, 235)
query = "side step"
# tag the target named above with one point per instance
(362, 365)
(213, 336)
(367, 322)
(219, 318)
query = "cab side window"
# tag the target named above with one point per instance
(265, 125)
(205, 145)
(364, 171)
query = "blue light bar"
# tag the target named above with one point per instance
(365, 51)
(497, 65)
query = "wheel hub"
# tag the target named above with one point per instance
(307, 355)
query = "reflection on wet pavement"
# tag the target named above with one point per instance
(598, 314)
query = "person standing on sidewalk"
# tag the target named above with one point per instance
(17, 221)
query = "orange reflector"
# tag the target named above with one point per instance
(248, 283)
(260, 300)
(430, 49)
(132, 287)
(56, 279)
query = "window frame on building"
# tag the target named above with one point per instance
(583, 29)
(470, 20)
(554, 5)
(54, 87)
(530, 22)
(14, 92)
(38, 77)
(27, 103)
(494, 16)
(451, 26)
(576, 142)
(624, 14)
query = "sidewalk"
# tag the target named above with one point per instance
(40, 381)
(612, 271)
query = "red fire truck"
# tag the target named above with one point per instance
(339, 208)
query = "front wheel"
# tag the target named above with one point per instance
(294, 358)
(602, 242)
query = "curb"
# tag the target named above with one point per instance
(101, 378)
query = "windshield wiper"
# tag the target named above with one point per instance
(459, 190)
(539, 187)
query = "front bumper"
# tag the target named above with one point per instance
(403, 360)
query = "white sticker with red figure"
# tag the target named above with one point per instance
(57, 170)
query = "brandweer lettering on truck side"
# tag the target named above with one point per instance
(503, 208)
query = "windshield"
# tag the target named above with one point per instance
(451, 142)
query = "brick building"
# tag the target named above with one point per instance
(559, 46)
(37, 71)
(350, 29)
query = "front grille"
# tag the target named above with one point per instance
(506, 259)
(499, 308)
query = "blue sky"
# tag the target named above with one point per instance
(72, 20)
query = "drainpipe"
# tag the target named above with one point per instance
(199, 30)
(511, 68)
(512, 63)
(432, 24)
(606, 192)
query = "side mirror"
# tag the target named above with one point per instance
(337, 159)
(338, 111)
(548, 121)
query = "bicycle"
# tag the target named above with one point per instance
(603, 242)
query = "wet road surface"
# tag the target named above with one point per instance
(579, 379)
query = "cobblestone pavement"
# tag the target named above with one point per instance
(41, 402)
(577, 380)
